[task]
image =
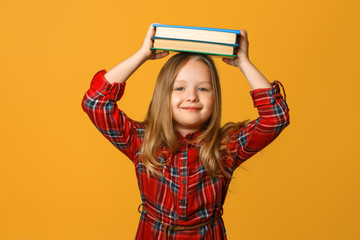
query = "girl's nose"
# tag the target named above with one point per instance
(192, 96)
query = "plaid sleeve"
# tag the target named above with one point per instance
(257, 134)
(99, 102)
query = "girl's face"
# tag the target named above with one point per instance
(192, 97)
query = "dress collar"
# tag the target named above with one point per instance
(189, 136)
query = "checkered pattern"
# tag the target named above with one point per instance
(185, 195)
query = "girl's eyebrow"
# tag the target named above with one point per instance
(179, 80)
(184, 81)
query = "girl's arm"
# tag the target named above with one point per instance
(126, 68)
(106, 88)
(272, 108)
(259, 133)
(252, 74)
(99, 103)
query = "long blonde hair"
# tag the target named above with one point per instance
(160, 132)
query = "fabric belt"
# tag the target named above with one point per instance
(174, 228)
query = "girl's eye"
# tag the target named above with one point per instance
(202, 89)
(179, 88)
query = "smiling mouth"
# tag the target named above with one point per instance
(191, 109)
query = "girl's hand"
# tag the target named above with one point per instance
(148, 42)
(242, 54)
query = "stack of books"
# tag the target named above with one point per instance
(211, 41)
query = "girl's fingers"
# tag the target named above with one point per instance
(229, 61)
(243, 33)
(226, 60)
(244, 36)
(242, 51)
(161, 54)
(152, 29)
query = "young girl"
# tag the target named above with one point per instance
(184, 160)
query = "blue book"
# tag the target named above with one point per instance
(218, 35)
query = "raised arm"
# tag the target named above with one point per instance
(272, 108)
(121, 72)
(252, 74)
(106, 88)
(273, 119)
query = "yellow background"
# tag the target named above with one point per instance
(60, 179)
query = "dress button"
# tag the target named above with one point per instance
(183, 162)
(182, 201)
(190, 136)
(183, 181)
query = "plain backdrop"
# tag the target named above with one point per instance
(60, 179)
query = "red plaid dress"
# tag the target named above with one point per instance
(185, 195)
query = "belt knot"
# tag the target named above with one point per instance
(174, 228)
